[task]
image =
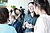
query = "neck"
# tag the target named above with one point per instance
(32, 14)
(42, 12)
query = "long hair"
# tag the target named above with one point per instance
(34, 12)
(43, 5)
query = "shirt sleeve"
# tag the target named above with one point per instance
(39, 26)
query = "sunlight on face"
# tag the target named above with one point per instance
(31, 7)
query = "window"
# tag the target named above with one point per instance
(2, 1)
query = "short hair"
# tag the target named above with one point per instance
(4, 15)
(20, 6)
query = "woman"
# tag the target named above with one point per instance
(16, 21)
(30, 19)
(43, 22)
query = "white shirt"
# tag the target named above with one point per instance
(42, 24)
(10, 17)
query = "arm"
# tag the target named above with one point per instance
(24, 25)
(29, 26)
(25, 21)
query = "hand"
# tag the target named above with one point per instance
(29, 26)
(23, 27)
(25, 24)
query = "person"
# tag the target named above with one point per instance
(43, 22)
(11, 13)
(16, 21)
(30, 19)
(22, 12)
(15, 13)
(4, 27)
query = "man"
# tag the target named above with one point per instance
(4, 27)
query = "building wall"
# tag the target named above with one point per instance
(49, 1)
(18, 3)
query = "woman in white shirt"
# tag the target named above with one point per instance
(43, 22)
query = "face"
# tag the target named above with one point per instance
(36, 9)
(17, 12)
(31, 7)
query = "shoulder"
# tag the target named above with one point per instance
(39, 19)
(10, 27)
(13, 30)
(26, 17)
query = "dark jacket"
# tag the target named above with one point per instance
(18, 26)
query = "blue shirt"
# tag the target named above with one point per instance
(5, 28)
(18, 26)
(30, 20)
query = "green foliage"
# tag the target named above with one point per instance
(13, 6)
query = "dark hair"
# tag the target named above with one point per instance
(43, 5)
(28, 4)
(11, 11)
(29, 11)
(4, 15)
(31, 3)
(34, 14)
(15, 9)
(20, 6)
